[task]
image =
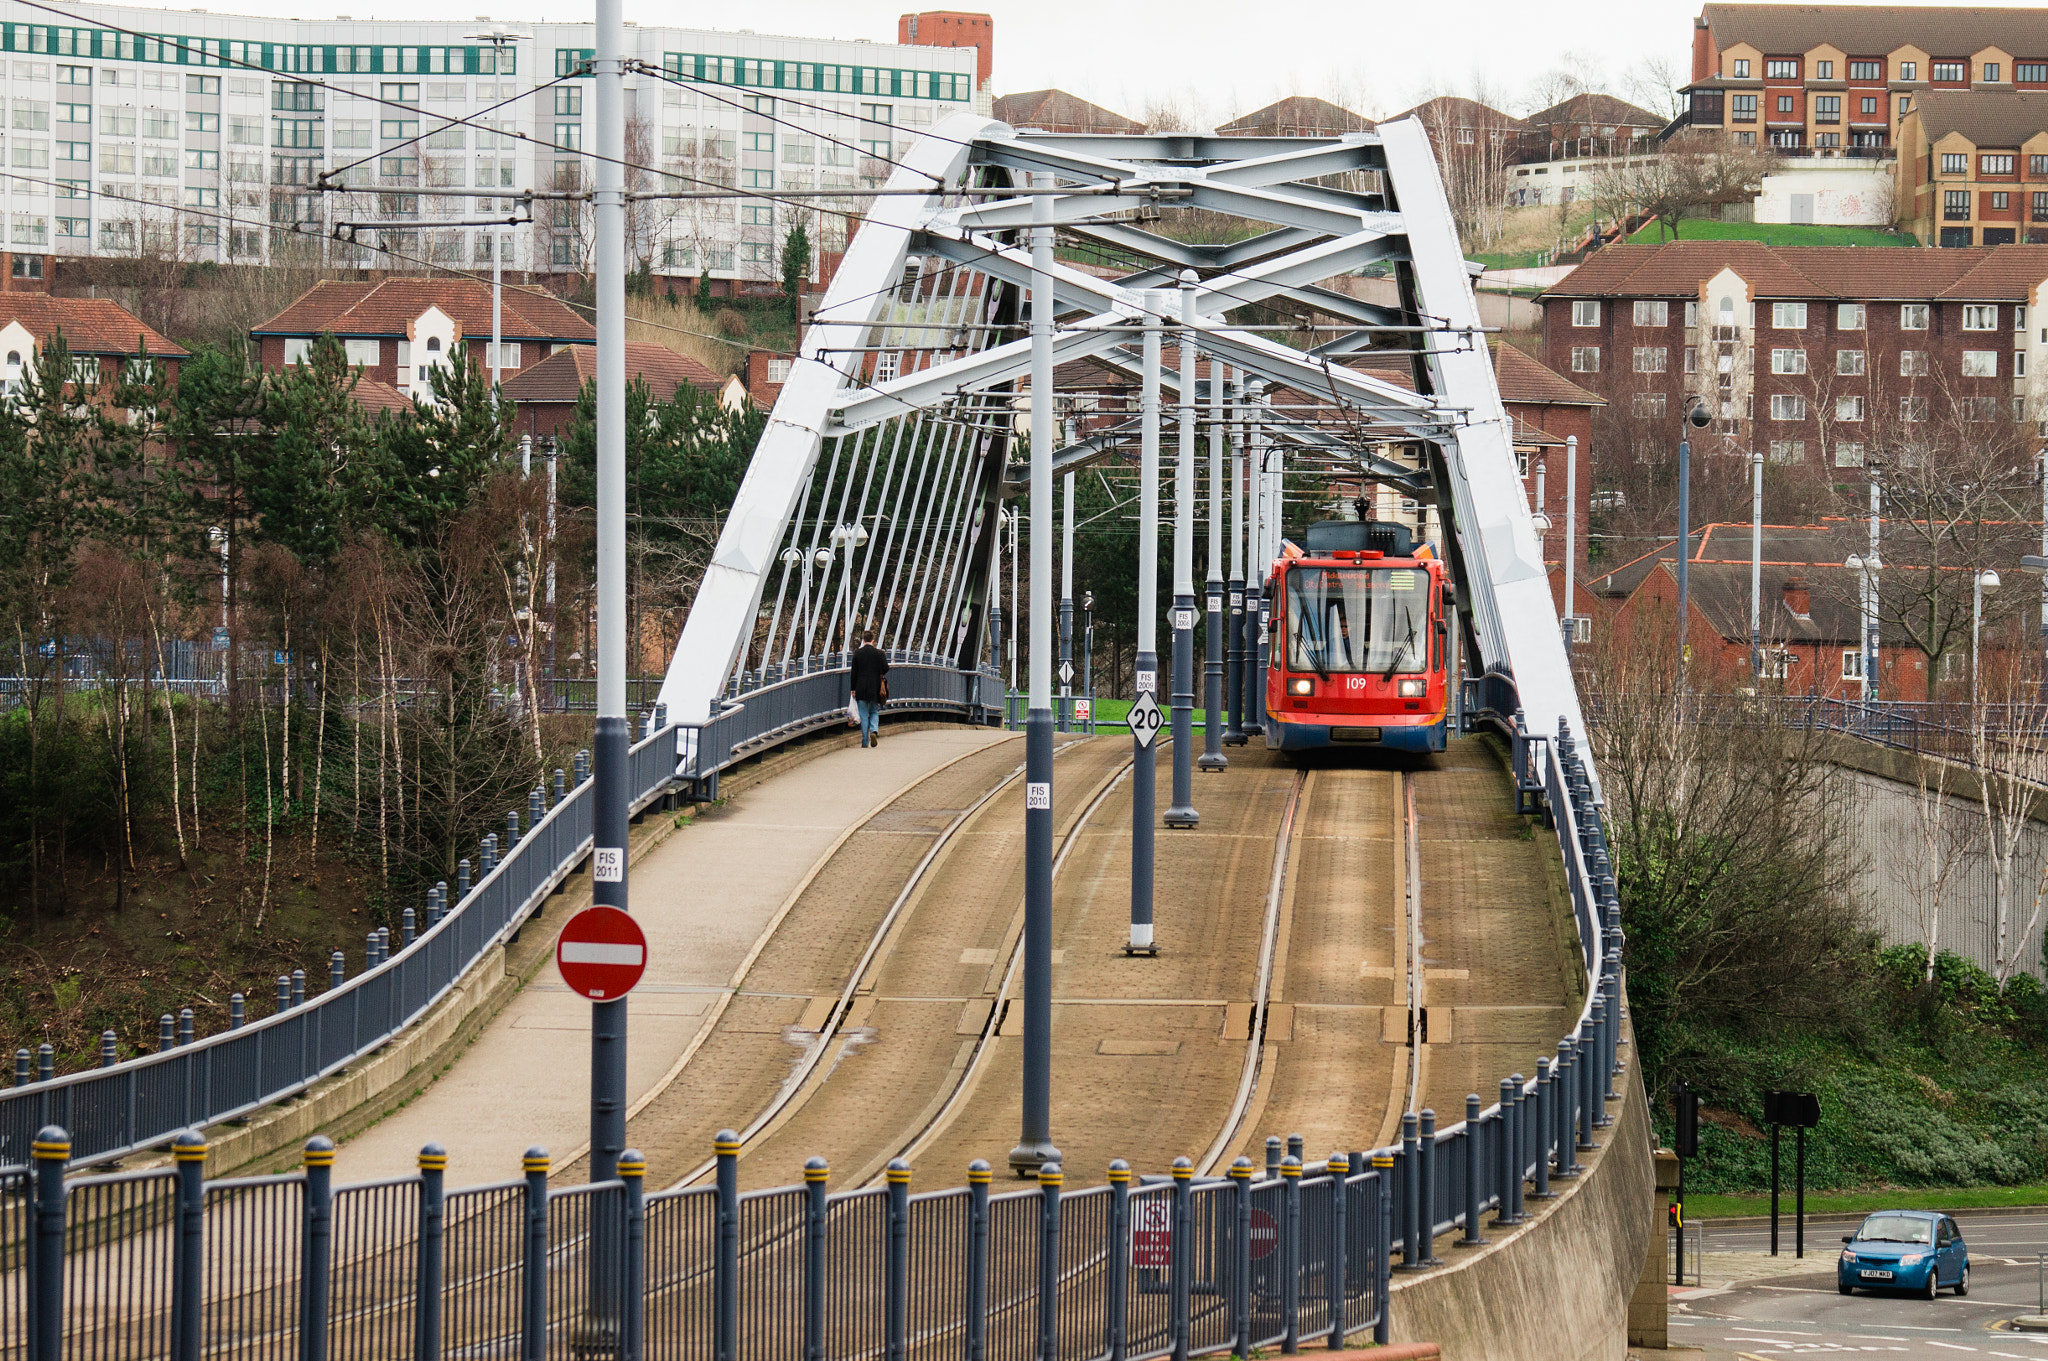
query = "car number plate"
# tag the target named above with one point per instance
(1870, 1275)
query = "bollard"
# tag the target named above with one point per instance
(511, 828)
(1504, 1159)
(316, 1247)
(1049, 1179)
(816, 1172)
(426, 1319)
(383, 944)
(1383, 1236)
(1475, 1176)
(896, 1278)
(284, 992)
(1290, 1253)
(533, 1280)
(1544, 1097)
(978, 1175)
(184, 1026)
(487, 856)
(1240, 1301)
(370, 960)
(50, 1151)
(582, 766)
(462, 879)
(1593, 1055)
(725, 1267)
(1425, 1194)
(536, 806)
(1275, 1151)
(110, 1047)
(1410, 1215)
(298, 987)
(188, 1151)
(440, 908)
(46, 1062)
(660, 717)
(409, 926)
(24, 1068)
(337, 970)
(1118, 1303)
(632, 1168)
(1519, 1172)
(561, 786)
(1338, 1273)
(1181, 1257)
(1582, 1061)
(166, 1033)
(1295, 1144)
(1567, 1111)
(433, 907)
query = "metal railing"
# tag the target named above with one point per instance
(142, 1102)
(163, 1263)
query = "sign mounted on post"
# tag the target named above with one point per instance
(1144, 719)
(601, 953)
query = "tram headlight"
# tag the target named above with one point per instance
(1301, 685)
(1413, 689)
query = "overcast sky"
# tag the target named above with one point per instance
(1377, 56)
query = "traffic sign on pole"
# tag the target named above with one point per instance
(1265, 1234)
(601, 953)
(1066, 673)
(1144, 719)
(1152, 1235)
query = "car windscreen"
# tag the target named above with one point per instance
(1882, 1228)
(1357, 619)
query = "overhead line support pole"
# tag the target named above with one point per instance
(1182, 812)
(1145, 769)
(1212, 631)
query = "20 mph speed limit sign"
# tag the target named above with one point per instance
(601, 953)
(1144, 719)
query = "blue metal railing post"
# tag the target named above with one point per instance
(1240, 1300)
(1290, 1254)
(533, 1280)
(1544, 1097)
(896, 1281)
(1118, 1303)
(816, 1173)
(977, 1261)
(1049, 1178)
(426, 1330)
(110, 1043)
(632, 1290)
(1409, 1179)
(1181, 1253)
(1337, 1271)
(316, 1248)
(1504, 1178)
(725, 1269)
(1475, 1175)
(337, 969)
(1519, 1173)
(1383, 1265)
(188, 1251)
(166, 1033)
(1425, 1188)
(24, 1068)
(51, 1150)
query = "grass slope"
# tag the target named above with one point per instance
(1775, 234)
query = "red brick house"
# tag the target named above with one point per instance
(398, 330)
(101, 334)
(546, 393)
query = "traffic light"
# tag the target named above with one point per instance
(1688, 1117)
(1677, 1215)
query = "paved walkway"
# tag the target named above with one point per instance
(706, 897)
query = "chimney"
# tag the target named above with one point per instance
(1798, 598)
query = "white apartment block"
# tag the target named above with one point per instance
(203, 137)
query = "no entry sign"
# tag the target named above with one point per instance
(1265, 1235)
(601, 953)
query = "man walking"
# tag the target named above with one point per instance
(870, 689)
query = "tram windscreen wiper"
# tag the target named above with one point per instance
(1304, 617)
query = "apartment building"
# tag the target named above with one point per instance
(206, 137)
(1810, 354)
(1840, 79)
(1058, 111)
(1973, 168)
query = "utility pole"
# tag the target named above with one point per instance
(1756, 567)
(1234, 630)
(1260, 565)
(608, 856)
(1182, 811)
(1035, 1148)
(1571, 541)
(1145, 666)
(1212, 630)
(1066, 714)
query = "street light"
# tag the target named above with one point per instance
(1986, 580)
(1866, 576)
(1699, 418)
(846, 538)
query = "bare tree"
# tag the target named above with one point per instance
(1694, 171)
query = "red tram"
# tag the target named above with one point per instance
(1359, 641)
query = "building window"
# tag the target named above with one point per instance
(1788, 451)
(1913, 364)
(1650, 358)
(1980, 316)
(1867, 106)
(1652, 313)
(2019, 316)
(1848, 453)
(2019, 358)
(778, 372)
(1742, 68)
(1788, 406)
(1649, 405)
(1909, 70)
(1955, 163)
(887, 366)
(1784, 103)
(1823, 70)
(1827, 108)
(1585, 312)
(1912, 408)
(1852, 664)
(1912, 316)
(1585, 359)
(2000, 164)
(1742, 108)
(2000, 202)
(1848, 408)
(1866, 70)
(1978, 409)
(1849, 363)
(1788, 361)
(1777, 68)
(1980, 363)
(2030, 71)
(1788, 316)
(1947, 70)
(2040, 208)
(1991, 70)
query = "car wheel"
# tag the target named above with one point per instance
(1963, 1281)
(1933, 1281)
(1845, 1288)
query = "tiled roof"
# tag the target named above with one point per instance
(1059, 111)
(90, 325)
(1596, 110)
(387, 307)
(376, 398)
(1988, 118)
(560, 376)
(1524, 378)
(1458, 111)
(1296, 116)
(1873, 29)
(1676, 269)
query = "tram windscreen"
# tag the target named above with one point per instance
(1357, 619)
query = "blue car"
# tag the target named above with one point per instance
(1916, 1250)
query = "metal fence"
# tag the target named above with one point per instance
(144, 1101)
(164, 1264)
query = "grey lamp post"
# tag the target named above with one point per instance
(1982, 583)
(1181, 812)
(1866, 579)
(2036, 564)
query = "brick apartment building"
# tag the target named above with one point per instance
(1296, 116)
(1809, 354)
(1840, 79)
(1973, 168)
(1058, 111)
(1587, 125)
